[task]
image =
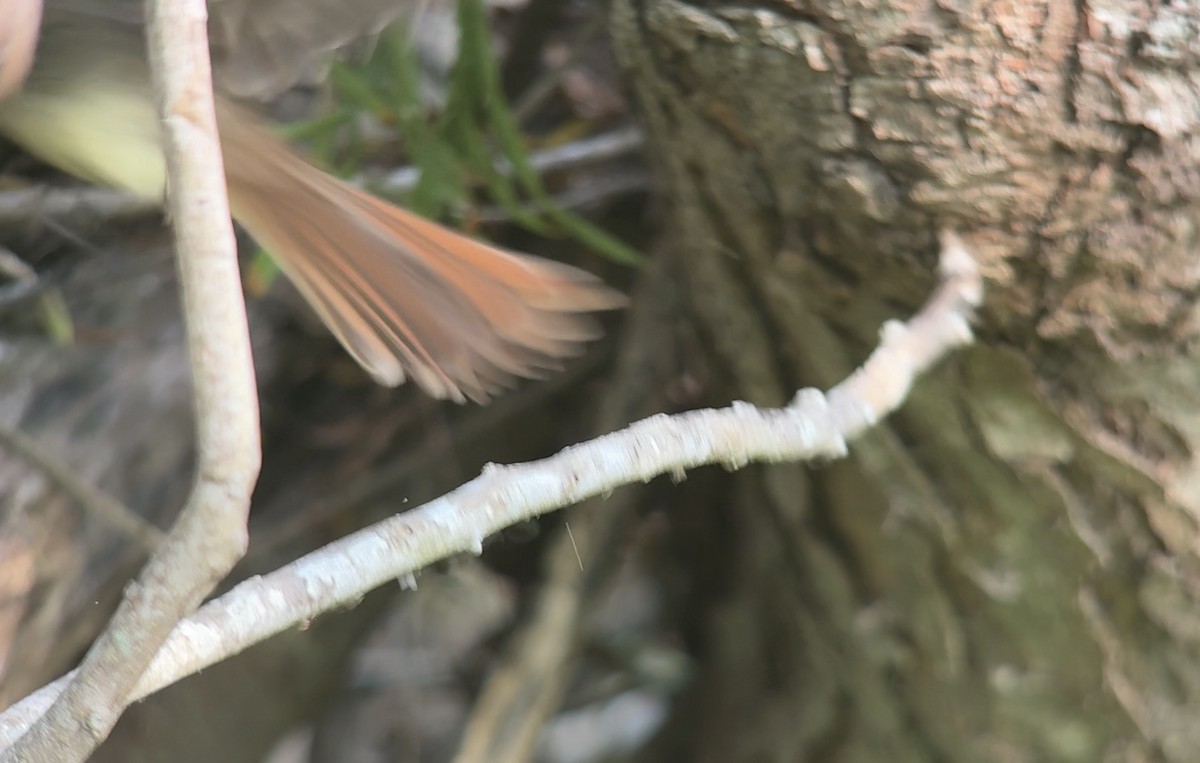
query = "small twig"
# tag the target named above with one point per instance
(813, 426)
(584, 152)
(18, 207)
(608, 185)
(526, 685)
(91, 498)
(24, 278)
(76, 202)
(587, 151)
(370, 487)
(210, 534)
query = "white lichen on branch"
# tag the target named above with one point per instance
(814, 425)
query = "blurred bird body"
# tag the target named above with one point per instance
(84, 107)
(406, 297)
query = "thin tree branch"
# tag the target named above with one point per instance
(525, 686)
(813, 426)
(77, 202)
(23, 278)
(210, 534)
(19, 206)
(90, 498)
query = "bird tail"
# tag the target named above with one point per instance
(406, 297)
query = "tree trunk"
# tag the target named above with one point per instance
(1006, 569)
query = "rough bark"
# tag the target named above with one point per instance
(1005, 571)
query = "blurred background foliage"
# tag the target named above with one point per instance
(468, 148)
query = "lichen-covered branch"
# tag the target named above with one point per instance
(210, 535)
(813, 426)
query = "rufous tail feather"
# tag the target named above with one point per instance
(406, 297)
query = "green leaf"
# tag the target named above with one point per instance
(56, 317)
(457, 149)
